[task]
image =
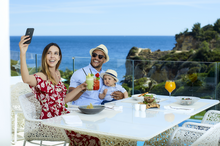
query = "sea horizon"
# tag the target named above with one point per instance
(97, 35)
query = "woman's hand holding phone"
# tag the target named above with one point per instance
(29, 33)
(23, 47)
(26, 40)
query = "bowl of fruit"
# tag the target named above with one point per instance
(186, 100)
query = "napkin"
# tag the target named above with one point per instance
(112, 107)
(72, 120)
(179, 109)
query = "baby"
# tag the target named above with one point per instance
(110, 79)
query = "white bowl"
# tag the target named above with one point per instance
(138, 97)
(186, 100)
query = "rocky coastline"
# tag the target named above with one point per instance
(192, 55)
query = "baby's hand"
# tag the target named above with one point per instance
(105, 91)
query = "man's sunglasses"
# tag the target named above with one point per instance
(100, 56)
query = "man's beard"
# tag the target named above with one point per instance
(98, 66)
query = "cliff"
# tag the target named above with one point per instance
(188, 42)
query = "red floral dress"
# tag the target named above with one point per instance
(51, 98)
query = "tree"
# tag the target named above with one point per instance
(208, 27)
(185, 31)
(196, 30)
(217, 26)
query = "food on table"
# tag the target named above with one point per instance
(142, 94)
(150, 105)
(186, 101)
(89, 106)
(148, 98)
(96, 82)
(89, 81)
(187, 98)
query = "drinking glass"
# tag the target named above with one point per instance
(89, 82)
(170, 86)
(96, 84)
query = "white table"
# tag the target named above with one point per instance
(129, 126)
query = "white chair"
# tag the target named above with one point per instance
(34, 130)
(202, 135)
(17, 117)
(211, 117)
(206, 133)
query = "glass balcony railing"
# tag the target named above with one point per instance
(198, 79)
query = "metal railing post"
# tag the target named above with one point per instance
(133, 77)
(73, 64)
(36, 63)
(216, 84)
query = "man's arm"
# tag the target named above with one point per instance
(78, 95)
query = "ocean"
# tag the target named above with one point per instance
(79, 46)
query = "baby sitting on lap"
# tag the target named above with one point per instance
(110, 79)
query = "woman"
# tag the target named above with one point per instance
(49, 90)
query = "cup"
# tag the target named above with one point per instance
(143, 107)
(96, 84)
(89, 82)
(137, 107)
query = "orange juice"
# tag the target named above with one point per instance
(170, 86)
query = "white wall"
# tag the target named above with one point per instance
(5, 113)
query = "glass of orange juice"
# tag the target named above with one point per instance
(170, 86)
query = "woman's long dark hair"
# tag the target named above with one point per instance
(44, 65)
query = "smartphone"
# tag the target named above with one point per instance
(29, 32)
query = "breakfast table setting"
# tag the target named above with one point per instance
(129, 120)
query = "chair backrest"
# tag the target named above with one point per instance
(210, 137)
(18, 89)
(34, 129)
(30, 106)
(211, 117)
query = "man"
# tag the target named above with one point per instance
(99, 56)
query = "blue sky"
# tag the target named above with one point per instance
(110, 17)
